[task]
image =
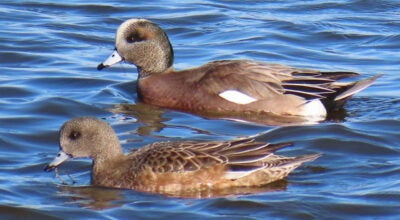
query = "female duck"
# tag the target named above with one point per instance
(172, 167)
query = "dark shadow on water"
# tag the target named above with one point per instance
(338, 115)
(13, 212)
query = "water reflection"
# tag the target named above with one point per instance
(276, 186)
(100, 198)
(153, 118)
(93, 197)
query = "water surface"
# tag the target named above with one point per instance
(48, 57)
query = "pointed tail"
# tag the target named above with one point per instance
(356, 87)
(346, 91)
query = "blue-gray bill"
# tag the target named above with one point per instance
(59, 159)
(114, 58)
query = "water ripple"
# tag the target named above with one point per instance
(49, 53)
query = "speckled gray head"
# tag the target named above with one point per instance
(85, 137)
(142, 43)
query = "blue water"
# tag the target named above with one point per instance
(48, 56)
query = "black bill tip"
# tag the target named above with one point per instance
(101, 66)
(49, 168)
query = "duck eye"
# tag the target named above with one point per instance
(74, 135)
(134, 38)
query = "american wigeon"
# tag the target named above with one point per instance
(227, 86)
(172, 167)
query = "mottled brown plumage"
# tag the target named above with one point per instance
(173, 167)
(267, 88)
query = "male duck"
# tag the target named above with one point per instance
(172, 167)
(227, 86)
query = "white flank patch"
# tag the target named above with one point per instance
(314, 110)
(237, 97)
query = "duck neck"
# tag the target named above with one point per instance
(142, 73)
(105, 169)
(145, 73)
(108, 154)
